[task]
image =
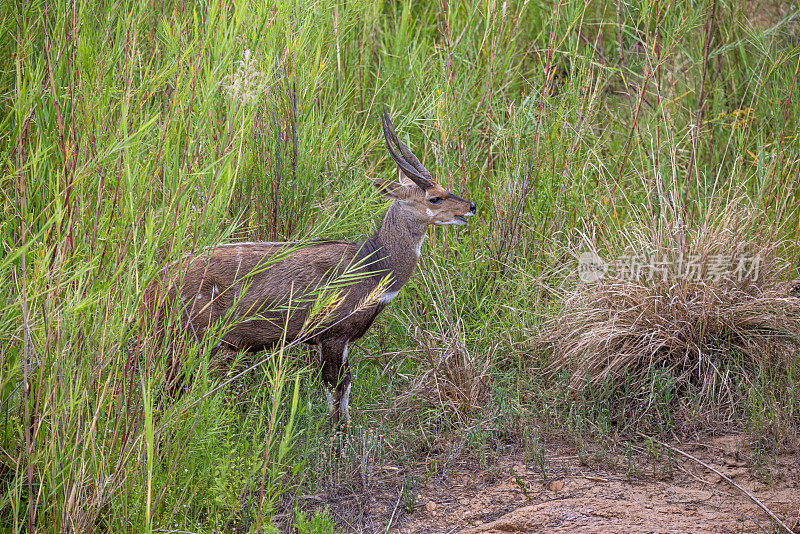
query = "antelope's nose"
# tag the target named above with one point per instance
(473, 208)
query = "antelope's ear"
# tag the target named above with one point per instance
(390, 189)
(403, 179)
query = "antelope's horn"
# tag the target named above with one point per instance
(408, 162)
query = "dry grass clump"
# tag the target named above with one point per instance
(449, 376)
(707, 304)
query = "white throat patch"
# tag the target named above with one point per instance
(418, 250)
(386, 298)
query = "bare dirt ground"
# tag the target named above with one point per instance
(515, 497)
(632, 493)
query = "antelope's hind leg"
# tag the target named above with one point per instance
(178, 380)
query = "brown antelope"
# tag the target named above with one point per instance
(263, 293)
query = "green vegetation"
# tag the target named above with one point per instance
(135, 132)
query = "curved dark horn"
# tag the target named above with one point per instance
(408, 162)
(410, 171)
(407, 154)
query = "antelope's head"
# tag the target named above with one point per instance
(416, 191)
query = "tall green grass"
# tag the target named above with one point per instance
(133, 133)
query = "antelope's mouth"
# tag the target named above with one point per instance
(457, 219)
(463, 218)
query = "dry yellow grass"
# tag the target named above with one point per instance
(701, 302)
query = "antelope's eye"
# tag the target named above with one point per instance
(435, 200)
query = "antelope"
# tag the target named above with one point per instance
(263, 292)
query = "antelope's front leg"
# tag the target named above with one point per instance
(336, 374)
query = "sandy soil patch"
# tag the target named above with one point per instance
(681, 496)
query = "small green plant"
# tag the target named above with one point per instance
(663, 396)
(410, 493)
(520, 484)
(534, 451)
(430, 470)
(320, 522)
(630, 470)
(654, 452)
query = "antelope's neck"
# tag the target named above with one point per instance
(396, 244)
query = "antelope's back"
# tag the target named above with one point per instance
(249, 285)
